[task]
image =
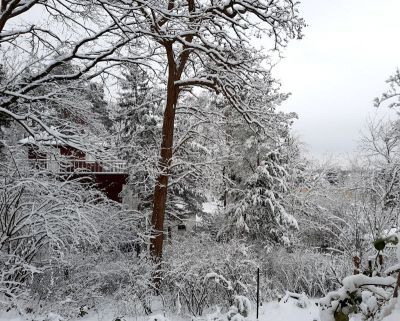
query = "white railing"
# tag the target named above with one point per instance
(78, 166)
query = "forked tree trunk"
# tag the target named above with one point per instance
(161, 187)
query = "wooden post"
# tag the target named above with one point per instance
(169, 235)
(224, 178)
(380, 259)
(369, 267)
(258, 289)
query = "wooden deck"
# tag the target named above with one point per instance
(66, 166)
(109, 176)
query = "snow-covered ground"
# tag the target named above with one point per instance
(268, 312)
(287, 312)
(394, 314)
(271, 311)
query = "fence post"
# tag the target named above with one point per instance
(258, 289)
(357, 262)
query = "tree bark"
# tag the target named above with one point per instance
(161, 186)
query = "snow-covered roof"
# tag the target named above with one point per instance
(42, 138)
(36, 141)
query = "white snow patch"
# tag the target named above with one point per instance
(210, 207)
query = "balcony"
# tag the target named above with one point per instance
(67, 166)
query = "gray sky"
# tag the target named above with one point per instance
(350, 48)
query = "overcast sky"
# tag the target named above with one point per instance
(349, 50)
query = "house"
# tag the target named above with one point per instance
(44, 152)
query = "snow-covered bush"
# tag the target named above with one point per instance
(200, 273)
(42, 219)
(114, 269)
(301, 300)
(368, 294)
(242, 305)
(66, 245)
(300, 270)
(95, 278)
(360, 294)
(238, 311)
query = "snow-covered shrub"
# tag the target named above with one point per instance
(300, 271)
(359, 294)
(368, 294)
(301, 300)
(61, 243)
(93, 277)
(42, 220)
(242, 304)
(201, 273)
(233, 314)
(238, 311)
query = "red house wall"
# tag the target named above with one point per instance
(111, 185)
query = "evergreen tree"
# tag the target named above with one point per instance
(99, 106)
(258, 207)
(139, 132)
(139, 108)
(258, 174)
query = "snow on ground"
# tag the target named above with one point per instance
(287, 312)
(395, 312)
(271, 311)
(268, 311)
(9, 316)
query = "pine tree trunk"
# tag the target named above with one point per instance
(161, 187)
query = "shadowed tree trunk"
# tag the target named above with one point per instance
(161, 187)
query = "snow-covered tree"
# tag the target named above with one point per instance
(137, 126)
(257, 171)
(257, 208)
(392, 95)
(36, 57)
(139, 106)
(193, 40)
